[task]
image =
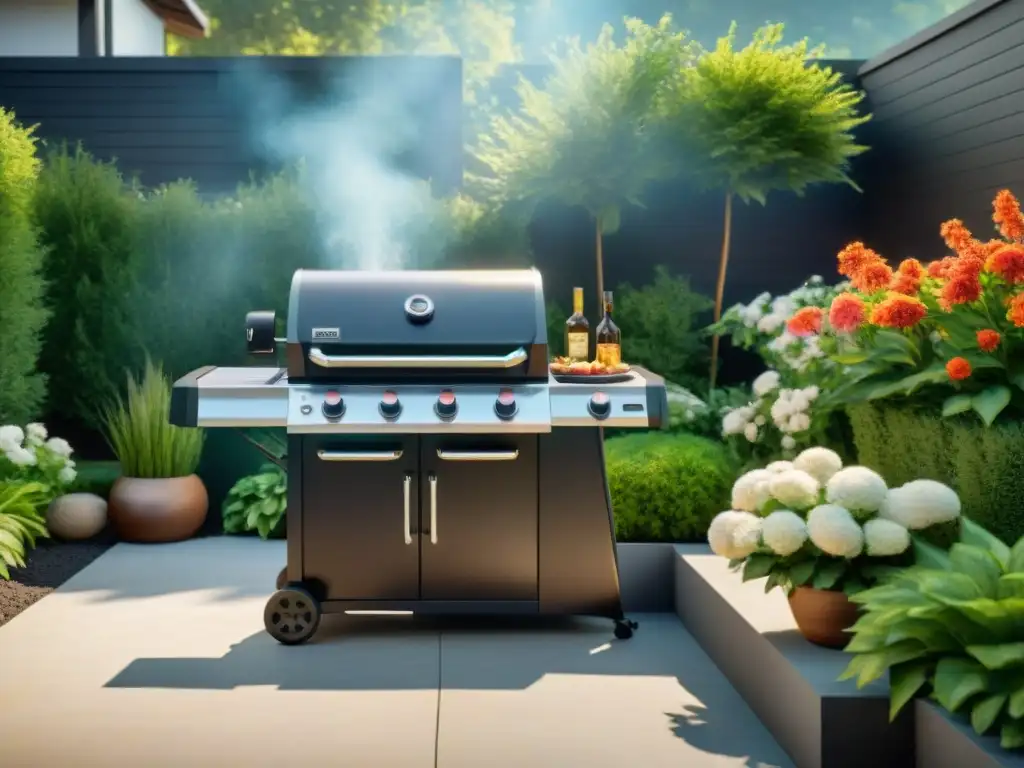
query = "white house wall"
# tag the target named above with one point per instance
(137, 30)
(39, 28)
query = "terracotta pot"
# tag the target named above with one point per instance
(151, 510)
(823, 617)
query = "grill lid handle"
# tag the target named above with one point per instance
(511, 360)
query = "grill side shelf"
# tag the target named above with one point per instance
(184, 411)
(230, 397)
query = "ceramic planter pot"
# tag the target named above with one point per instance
(823, 617)
(156, 510)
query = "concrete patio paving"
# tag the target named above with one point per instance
(156, 656)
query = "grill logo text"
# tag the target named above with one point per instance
(326, 333)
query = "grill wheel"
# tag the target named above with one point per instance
(292, 615)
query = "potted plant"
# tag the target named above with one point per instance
(158, 497)
(258, 503)
(952, 625)
(823, 532)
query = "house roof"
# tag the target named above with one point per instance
(181, 17)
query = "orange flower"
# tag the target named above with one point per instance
(846, 313)
(1008, 263)
(988, 340)
(959, 238)
(854, 257)
(940, 269)
(994, 245)
(1007, 215)
(907, 284)
(962, 286)
(1015, 313)
(806, 321)
(958, 369)
(872, 277)
(898, 311)
(911, 268)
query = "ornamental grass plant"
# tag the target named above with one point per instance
(138, 429)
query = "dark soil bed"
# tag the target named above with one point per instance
(49, 565)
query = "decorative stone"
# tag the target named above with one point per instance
(76, 516)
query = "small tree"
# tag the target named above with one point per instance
(759, 119)
(580, 138)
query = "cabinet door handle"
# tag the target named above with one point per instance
(359, 455)
(444, 455)
(433, 509)
(406, 486)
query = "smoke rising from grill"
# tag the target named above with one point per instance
(347, 138)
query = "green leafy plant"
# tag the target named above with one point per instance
(951, 626)
(23, 312)
(30, 456)
(759, 119)
(138, 429)
(258, 503)
(814, 523)
(666, 487)
(21, 522)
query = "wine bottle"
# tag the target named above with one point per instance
(577, 330)
(609, 337)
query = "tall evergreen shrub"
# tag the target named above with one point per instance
(22, 311)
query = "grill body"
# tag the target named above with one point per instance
(433, 464)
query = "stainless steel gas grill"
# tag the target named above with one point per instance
(434, 465)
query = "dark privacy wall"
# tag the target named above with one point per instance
(170, 118)
(948, 128)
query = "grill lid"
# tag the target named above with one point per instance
(471, 320)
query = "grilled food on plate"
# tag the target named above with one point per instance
(565, 366)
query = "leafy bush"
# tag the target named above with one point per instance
(984, 466)
(953, 625)
(96, 477)
(666, 487)
(30, 456)
(21, 522)
(22, 311)
(661, 328)
(258, 503)
(141, 435)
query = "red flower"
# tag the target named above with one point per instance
(898, 311)
(940, 269)
(1007, 215)
(988, 340)
(962, 285)
(806, 321)
(1007, 262)
(958, 369)
(905, 284)
(1015, 312)
(854, 257)
(911, 268)
(847, 313)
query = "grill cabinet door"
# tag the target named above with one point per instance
(353, 525)
(478, 517)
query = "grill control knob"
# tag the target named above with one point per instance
(333, 406)
(505, 406)
(446, 407)
(390, 407)
(600, 405)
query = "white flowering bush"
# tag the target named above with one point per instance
(30, 455)
(813, 522)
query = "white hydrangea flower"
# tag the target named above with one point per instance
(779, 466)
(759, 420)
(784, 532)
(788, 443)
(781, 411)
(783, 305)
(750, 432)
(782, 342)
(815, 280)
(770, 323)
(920, 504)
(750, 491)
(733, 422)
(11, 436)
(798, 401)
(767, 382)
(798, 422)
(59, 446)
(811, 393)
(734, 534)
(794, 488)
(819, 463)
(884, 538)
(834, 531)
(857, 488)
(20, 456)
(67, 475)
(35, 433)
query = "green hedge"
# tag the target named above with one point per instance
(667, 487)
(985, 466)
(22, 312)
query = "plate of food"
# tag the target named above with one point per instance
(570, 371)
